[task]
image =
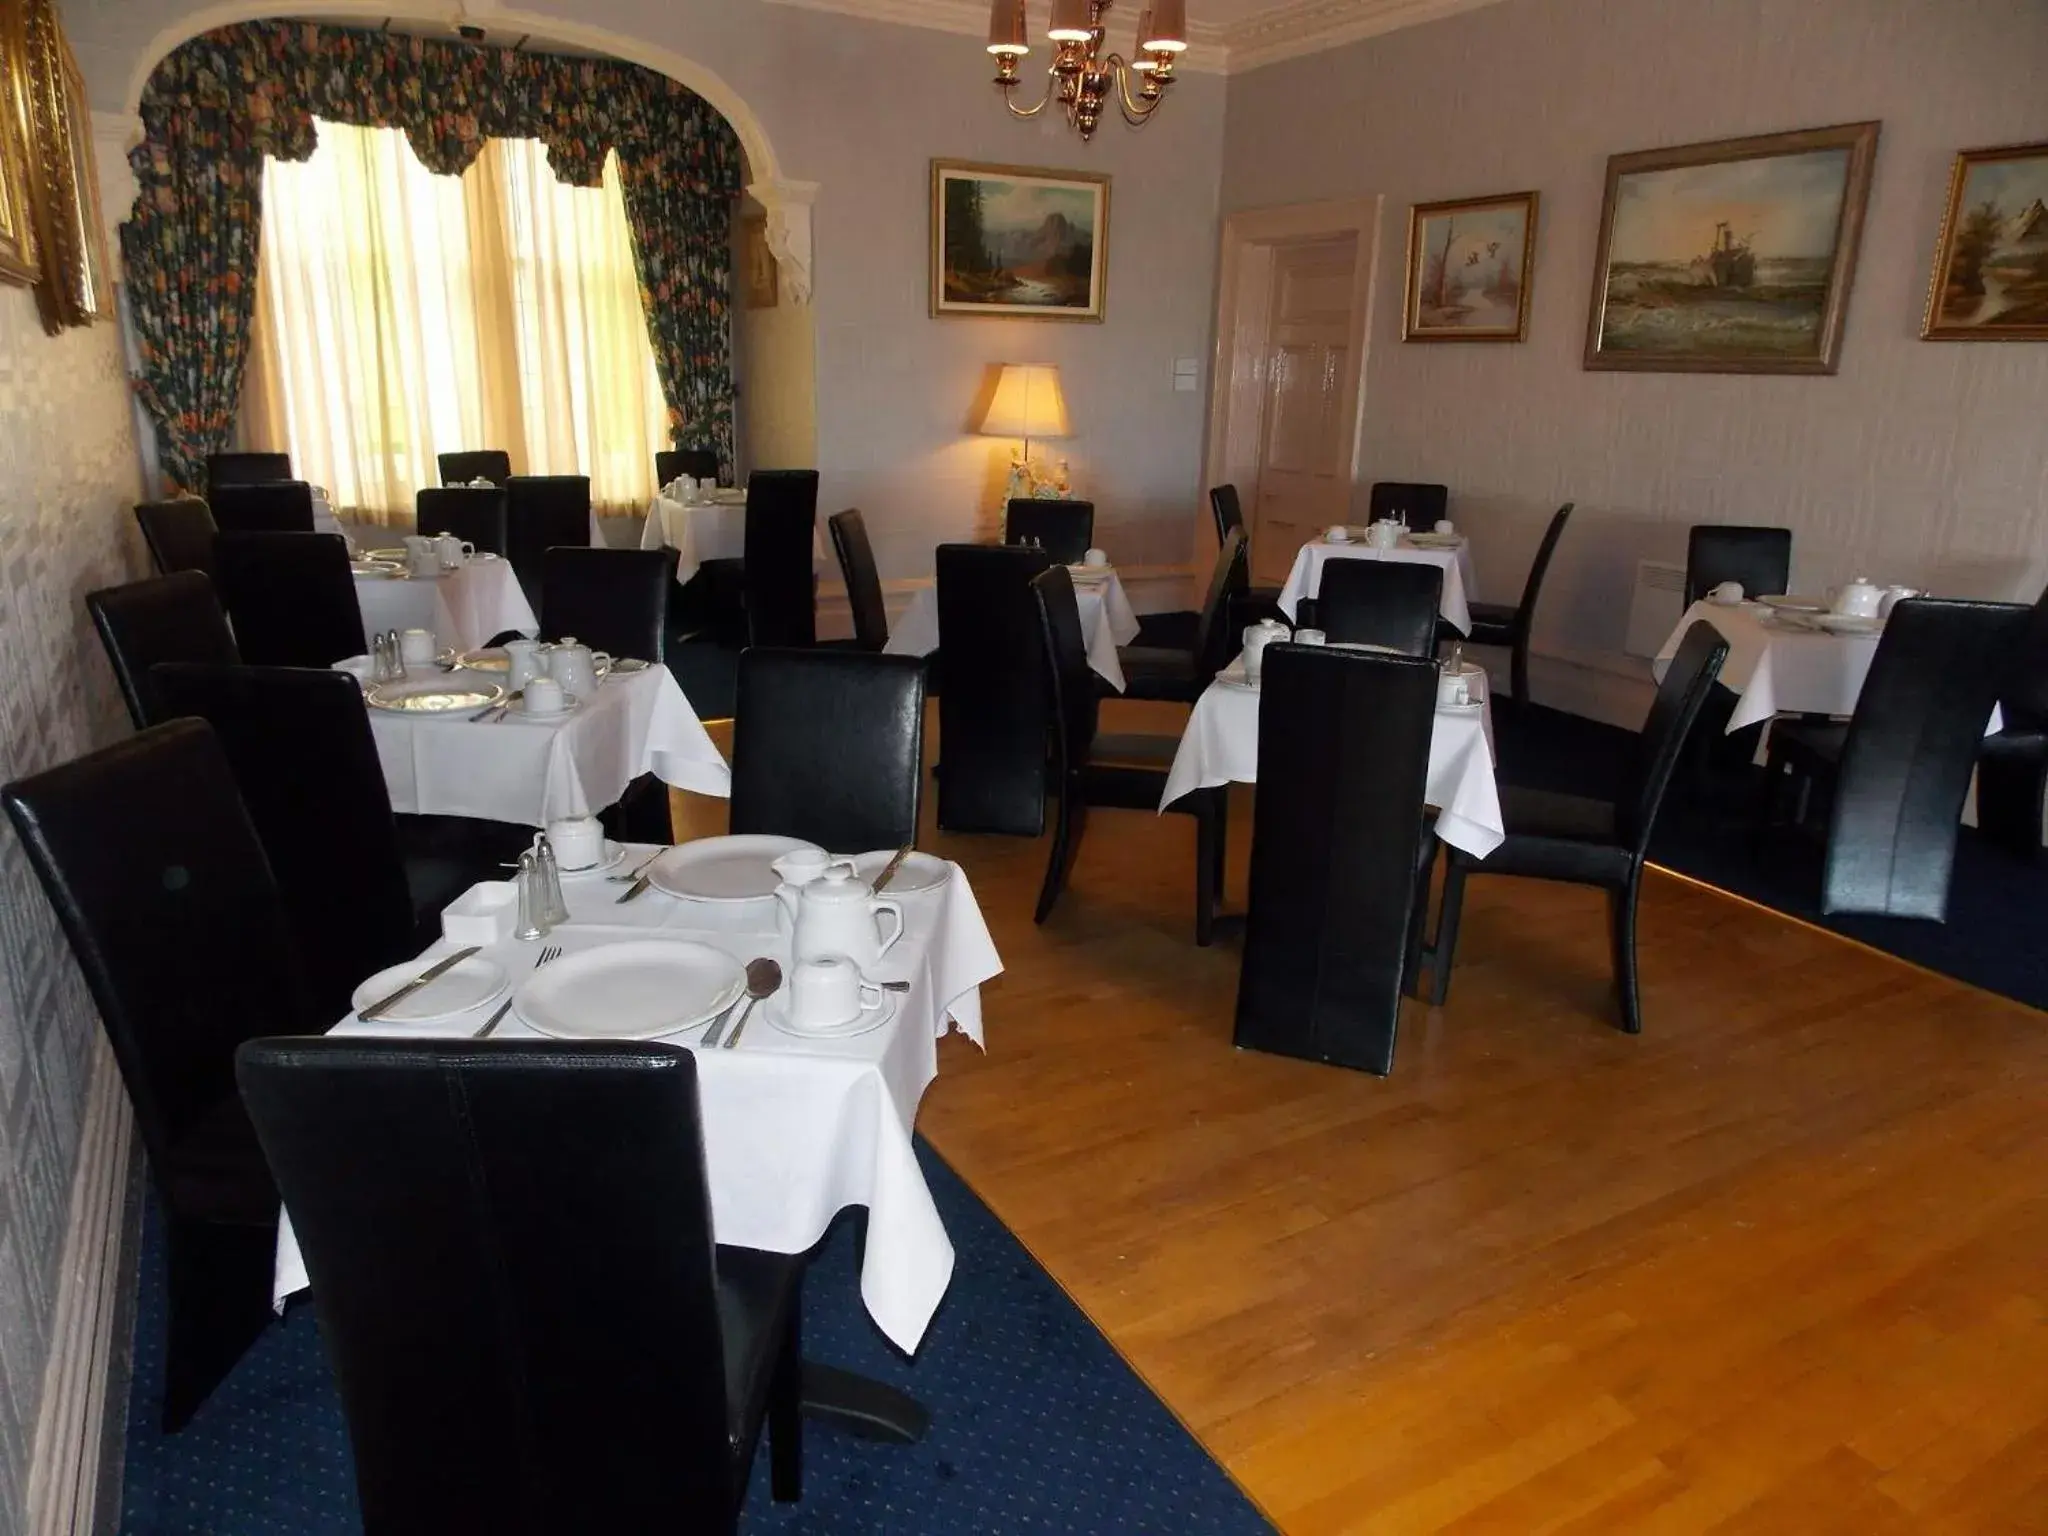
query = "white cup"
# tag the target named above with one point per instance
(455, 552)
(1727, 594)
(1445, 525)
(1310, 637)
(544, 696)
(1453, 688)
(1338, 533)
(578, 840)
(828, 990)
(1096, 559)
(422, 555)
(418, 648)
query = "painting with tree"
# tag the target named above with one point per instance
(1471, 265)
(1991, 268)
(1022, 243)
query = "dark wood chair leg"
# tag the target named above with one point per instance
(1450, 907)
(786, 1414)
(1621, 904)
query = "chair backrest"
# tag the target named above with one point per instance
(828, 745)
(179, 534)
(782, 531)
(1063, 529)
(167, 618)
(1381, 602)
(1229, 512)
(156, 874)
(700, 464)
(290, 596)
(1695, 667)
(1337, 840)
(992, 721)
(1912, 745)
(475, 515)
(245, 469)
(1215, 642)
(1759, 558)
(492, 464)
(541, 513)
(1419, 502)
(299, 742)
(275, 506)
(612, 600)
(863, 582)
(2023, 686)
(1525, 613)
(511, 1243)
(1070, 685)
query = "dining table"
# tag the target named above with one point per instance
(1305, 579)
(465, 607)
(710, 527)
(1107, 621)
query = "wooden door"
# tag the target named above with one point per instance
(1311, 399)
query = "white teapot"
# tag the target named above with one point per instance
(834, 912)
(1860, 599)
(1256, 638)
(575, 666)
(1895, 595)
(524, 661)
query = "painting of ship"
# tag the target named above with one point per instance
(1729, 262)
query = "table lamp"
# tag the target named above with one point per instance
(1027, 403)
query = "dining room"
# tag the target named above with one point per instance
(820, 765)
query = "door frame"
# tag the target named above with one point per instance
(1244, 291)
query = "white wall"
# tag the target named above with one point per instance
(1918, 461)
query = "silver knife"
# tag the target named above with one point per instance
(440, 966)
(634, 889)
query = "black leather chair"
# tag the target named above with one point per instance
(1759, 558)
(778, 585)
(1900, 768)
(276, 506)
(1340, 853)
(245, 469)
(147, 855)
(1496, 624)
(543, 512)
(179, 534)
(828, 745)
(612, 600)
(1165, 672)
(1253, 602)
(476, 516)
(863, 583)
(167, 618)
(2012, 766)
(700, 464)
(1381, 602)
(1063, 529)
(290, 596)
(1584, 841)
(1227, 510)
(492, 464)
(1111, 772)
(1421, 504)
(530, 1323)
(993, 729)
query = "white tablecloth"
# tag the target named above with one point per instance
(1221, 746)
(1306, 579)
(530, 771)
(464, 607)
(794, 1130)
(1106, 623)
(698, 531)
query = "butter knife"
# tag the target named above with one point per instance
(889, 869)
(439, 967)
(638, 886)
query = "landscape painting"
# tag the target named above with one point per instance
(1733, 257)
(1017, 242)
(1470, 266)
(1991, 271)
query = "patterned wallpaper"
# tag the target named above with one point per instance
(67, 478)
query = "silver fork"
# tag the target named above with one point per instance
(550, 952)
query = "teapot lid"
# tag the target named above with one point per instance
(840, 881)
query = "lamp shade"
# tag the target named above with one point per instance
(1007, 32)
(1164, 29)
(1027, 403)
(1070, 22)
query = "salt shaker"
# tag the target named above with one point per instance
(533, 922)
(553, 908)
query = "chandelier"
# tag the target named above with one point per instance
(1083, 74)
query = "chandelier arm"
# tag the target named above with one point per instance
(1009, 88)
(1135, 111)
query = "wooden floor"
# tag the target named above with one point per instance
(1778, 1265)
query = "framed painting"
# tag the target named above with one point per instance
(1731, 257)
(1991, 268)
(76, 286)
(1022, 243)
(1470, 268)
(19, 261)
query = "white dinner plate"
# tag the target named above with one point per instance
(1471, 708)
(1233, 676)
(614, 855)
(1793, 603)
(918, 872)
(776, 1011)
(1090, 575)
(465, 985)
(736, 868)
(377, 569)
(1436, 540)
(445, 696)
(1846, 623)
(489, 658)
(639, 989)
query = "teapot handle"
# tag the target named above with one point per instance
(895, 908)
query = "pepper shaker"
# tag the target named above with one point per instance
(553, 908)
(532, 902)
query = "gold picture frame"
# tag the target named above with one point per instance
(1997, 253)
(20, 255)
(1470, 283)
(1019, 242)
(1731, 257)
(76, 286)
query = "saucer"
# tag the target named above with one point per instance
(570, 704)
(868, 1018)
(614, 855)
(1471, 707)
(1846, 623)
(1233, 676)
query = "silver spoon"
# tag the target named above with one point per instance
(763, 977)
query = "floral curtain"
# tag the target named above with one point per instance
(215, 107)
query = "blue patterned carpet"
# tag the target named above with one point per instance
(1037, 1424)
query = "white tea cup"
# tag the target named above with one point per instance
(544, 696)
(578, 840)
(828, 990)
(1445, 525)
(1727, 594)
(418, 648)
(1096, 559)
(1310, 637)
(1337, 533)
(455, 552)
(1453, 687)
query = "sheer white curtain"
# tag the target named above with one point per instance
(401, 315)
